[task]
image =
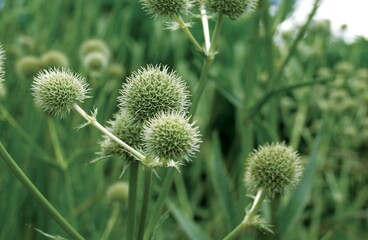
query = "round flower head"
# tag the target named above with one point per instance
(2, 72)
(233, 8)
(54, 59)
(118, 192)
(171, 139)
(167, 8)
(127, 129)
(153, 90)
(276, 168)
(28, 66)
(95, 62)
(94, 45)
(57, 90)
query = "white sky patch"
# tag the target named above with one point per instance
(353, 13)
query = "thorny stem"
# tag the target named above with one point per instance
(92, 121)
(247, 221)
(59, 219)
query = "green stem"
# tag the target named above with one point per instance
(132, 198)
(210, 56)
(146, 194)
(92, 121)
(59, 219)
(112, 220)
(187, 32)
(247, 221)
(160, 203)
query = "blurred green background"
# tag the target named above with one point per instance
(306, 87)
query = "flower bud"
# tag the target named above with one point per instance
(95, 62)
(94, 45)
(167, 8)
(171, 139)
(153, 90)
(54, 59)
(127, 129)
(56, 90)
(234, 9)
(276, 168)
(27, 66)
(118, 192)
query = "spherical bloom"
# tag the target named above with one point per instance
(276, 168)
(94, 45)
(171, 139)
(118, 192)
(126, 128)
(153, 90)
(57, 90)
(167, 8)
(2, 71)
(232, 8)
(54, 59)
(95, 62)
(28, 66)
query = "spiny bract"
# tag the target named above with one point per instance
(167, 8)
(57, 90)
(234, 9)
(276, 168)
(171, 139)
(153, 90)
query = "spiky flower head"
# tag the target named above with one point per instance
(153, 90)
(118, 192)
(277, 168)
(234, 9)
(126, 128)
(27, 66)
(54, 59)
(2, 71)
(171, 139)
(167, 8)
(57, 90)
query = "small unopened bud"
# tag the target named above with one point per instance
(28, 66)
(275, 168)
(54, 59)
(57, 90)
(118, 192)
(94, 45)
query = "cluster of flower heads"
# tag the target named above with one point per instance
(234, 9)
(2, 71)
(153, 106)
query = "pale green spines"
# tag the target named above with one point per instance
(153, 90)
(57, 90)
(234, 9)
(2, 71)
(171, 139)
(167, 8)
(125, 127)
(276, 168)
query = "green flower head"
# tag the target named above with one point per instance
(27, 66)
(54, 59)
(167, 8)
(276, 168)
(234, 9)
(57, 90)
(153, 90)
(125, 127)
(171, 139)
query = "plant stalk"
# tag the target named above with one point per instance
(145, 202)
(59, 219)
(132, 198)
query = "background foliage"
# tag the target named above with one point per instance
(261, 89)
